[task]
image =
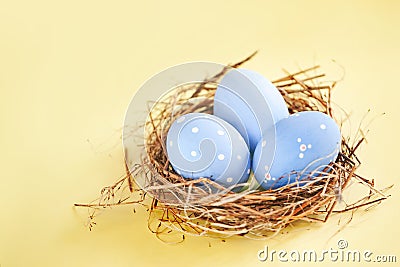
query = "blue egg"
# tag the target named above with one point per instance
(203, 145)
(249, 102)
(301, 146)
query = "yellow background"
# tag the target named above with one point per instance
(68, 70)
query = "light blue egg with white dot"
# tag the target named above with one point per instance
(202, 145)
(303, 145)
(249, 102)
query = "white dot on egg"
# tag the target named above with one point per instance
(264, 143)
(193, 153)
(220, 132)
(221, 156)
(195, 130)
(229, 179)
(303, 147)
(323, 126)
(301, 155)
(239, 157)
(309, 146)
(171, 143)
(181, 119)
(266, 167)
(273, 178)
(298, 140)
(248, 171)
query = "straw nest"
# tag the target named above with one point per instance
(177, 204)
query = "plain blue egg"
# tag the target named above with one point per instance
(303, 145)
(249, 102)
(203, 145)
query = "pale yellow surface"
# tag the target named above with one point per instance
(68, 70)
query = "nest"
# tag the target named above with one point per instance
(178, 204)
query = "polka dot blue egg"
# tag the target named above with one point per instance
(301, 146)
(249, 102)
(202, 145)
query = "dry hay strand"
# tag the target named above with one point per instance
(178, 204)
